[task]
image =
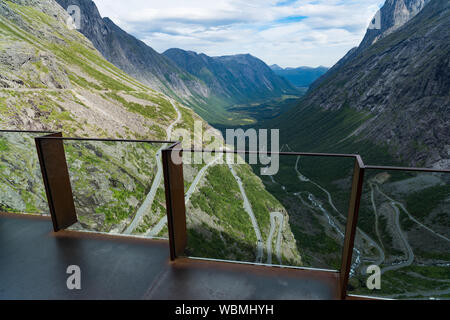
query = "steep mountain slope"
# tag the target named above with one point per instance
(393, 15)
(389, 99)
(134, 56)
(162, 74)
(276, 67)
(239, 78)
(235, 81)
(300, 77)
(52, 78)
(389, 102)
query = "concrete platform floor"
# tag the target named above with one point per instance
(34, 259)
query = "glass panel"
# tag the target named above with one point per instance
(295, 218)
(21, 186)
(408, 215)
(118, 187)
(315, 191)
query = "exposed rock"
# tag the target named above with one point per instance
(402, 81)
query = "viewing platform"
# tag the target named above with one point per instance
(34, 260)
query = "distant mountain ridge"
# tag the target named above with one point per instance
(134, 56)
(238, 78)
(300, 77)
(388, 100)
(209, 95)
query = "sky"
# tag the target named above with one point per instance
(290, 33)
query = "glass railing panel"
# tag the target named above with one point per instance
(408, 215)
(118, 186)
(315, 191)
(294, 218)
(21, 186)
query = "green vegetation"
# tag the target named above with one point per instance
(146, 111)
(3, 145)
(158, 211)
(75, 55)
(110, 180)
(434, 196)
(433, 272)
(163, 112)
(400, 282)
(159, 100)
(315, 245)
(225, 207)
(22, 191)
(208, 243)
(250, 114)
(261, 201)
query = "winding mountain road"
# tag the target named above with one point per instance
(199, 176)
(406, 244)
(248, 208)
(331, 221)
(375, 212)
(147, 204)
(160, 225)
(410, 216)
(280, 217)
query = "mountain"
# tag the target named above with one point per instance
(393, 15)
(53, 78)
(275, 67)
(134, 56)
(163, 72)
(238, 78)
(300, 77)
(389, 101)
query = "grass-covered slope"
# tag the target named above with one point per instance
(220, 227)
(52, 78)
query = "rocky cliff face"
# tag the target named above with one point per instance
(238, 78)
(134, 56)
(394, 93)
(393, 15)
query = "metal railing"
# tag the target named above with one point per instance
(179, 240)
(56, 177)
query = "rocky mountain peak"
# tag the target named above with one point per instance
(393, 15)
(401, 83)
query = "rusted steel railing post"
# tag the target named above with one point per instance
(175, 206)
(55, 174)
(352, 220)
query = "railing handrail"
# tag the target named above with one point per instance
(388, 168)
(106, 140)
(26, 131)
(175, 198)
(174, 143)
(281, 153)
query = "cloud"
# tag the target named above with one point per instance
(286, 32)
